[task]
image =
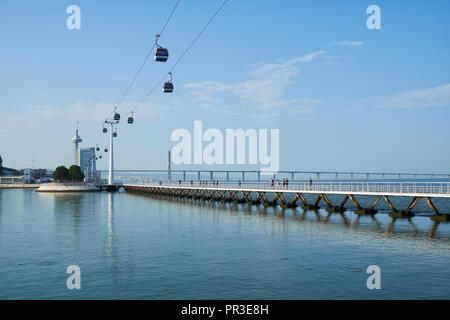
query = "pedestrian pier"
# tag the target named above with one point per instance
(293, 194)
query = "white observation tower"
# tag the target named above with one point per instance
(76, 140)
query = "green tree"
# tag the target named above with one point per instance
(61, 174)
(75, 173)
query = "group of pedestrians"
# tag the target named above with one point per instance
(214, 182)
(276, 183)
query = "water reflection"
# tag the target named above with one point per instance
(414, 228)
(111, 251)
(1, 209)
(375, 221)
(354, 223)
(67, 211)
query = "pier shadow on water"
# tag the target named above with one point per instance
(418, 227)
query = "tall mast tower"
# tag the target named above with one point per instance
(76, 140)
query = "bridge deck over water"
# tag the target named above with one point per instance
(257, 193)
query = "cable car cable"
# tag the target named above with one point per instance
(148, 55)
(180, 58)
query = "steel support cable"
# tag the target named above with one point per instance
(180, 58)
(147, 56)
(142, 64)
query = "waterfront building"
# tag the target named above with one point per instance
(88, 163)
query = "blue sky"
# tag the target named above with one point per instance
(344, 97)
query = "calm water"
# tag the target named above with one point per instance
(138, 247)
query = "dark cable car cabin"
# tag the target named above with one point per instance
(114, 134)
(130, 118)
(97, 149)
(168, 87)
(105, 130)
(161, 54)
(116, 116)
(100, 157)
(106, 149)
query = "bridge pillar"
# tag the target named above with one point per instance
(259, 176)
(198, 173)
(211, 175)
(228, 176)
(184, 176)
(243, 175)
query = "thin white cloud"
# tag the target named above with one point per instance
(434, 97)
(345, 43)
(264, 91)
(85, 111)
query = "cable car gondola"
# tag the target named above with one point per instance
(105, 130)
(106, 150)
(114, 134)
(161, 54)
(116, 115)
(97, 149)
(168, 86)
(130, 118)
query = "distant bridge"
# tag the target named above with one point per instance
(291, 174)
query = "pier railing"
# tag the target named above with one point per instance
(440, 188)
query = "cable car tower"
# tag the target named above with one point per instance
(112, 122)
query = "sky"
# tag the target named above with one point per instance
(344, 97)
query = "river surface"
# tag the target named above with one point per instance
(130, 246)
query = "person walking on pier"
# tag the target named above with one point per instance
(272, 182)
(239, 182)
(278, 184)
(309, 183)
(287, 183)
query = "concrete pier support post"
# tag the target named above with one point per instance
(211, 175)
(198, 174)
(228, 176)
